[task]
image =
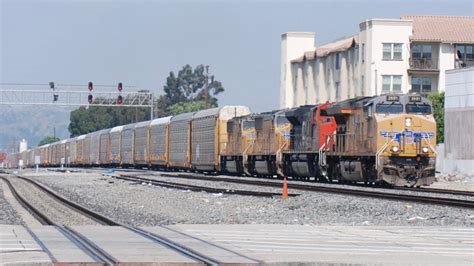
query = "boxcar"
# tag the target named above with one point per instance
(71, 151)
(54, 153)
(104, 147)
(209, 135)
(115, 141)
(61, 153)
(126, 146)
(80, 157)
(94, 148)
(179, 141)
(141, 143)
(31, 157)
(159, 136)
(44, 153)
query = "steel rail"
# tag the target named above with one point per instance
(99, 253)
(80, 241)
(198, 188)
(337, 190)
(43, 219)
(439, 191)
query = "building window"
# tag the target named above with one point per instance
(397, 51)
(338, 91)
(387, 51)
(362, 85)
(363, 53)
(397, 83)
(421, 85)
(392, 51)
(421, 51)
(391, 83)
(465, 51)
(338, 58)
(386, 83)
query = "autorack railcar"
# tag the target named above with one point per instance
(159, 142)
(141, 144)
(115, 145)
(180, 141)
(127, 146)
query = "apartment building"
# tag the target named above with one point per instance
(406, 55)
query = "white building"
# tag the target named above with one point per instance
(403, 55)
(459, 122)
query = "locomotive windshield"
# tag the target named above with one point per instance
(389, 108)
(418, 108)
(281, 120)
(248, 124)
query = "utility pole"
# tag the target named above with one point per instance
(206, 92)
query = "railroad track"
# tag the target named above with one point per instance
(213, 178)
(189, 187)
(389, 194)
(83, 242)
(439, 191)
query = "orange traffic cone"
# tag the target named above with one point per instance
(284, 194)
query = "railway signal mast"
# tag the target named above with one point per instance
(14, 94)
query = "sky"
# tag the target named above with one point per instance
(140, 42)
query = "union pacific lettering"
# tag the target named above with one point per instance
(410, 136)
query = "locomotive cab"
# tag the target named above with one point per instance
(406, 137)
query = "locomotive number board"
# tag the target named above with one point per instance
(415, 99)
(393, 98)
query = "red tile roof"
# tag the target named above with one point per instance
(324, 50)
(446, 29)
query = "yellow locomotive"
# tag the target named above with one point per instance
(387, 139)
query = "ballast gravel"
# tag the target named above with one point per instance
(141, 204)
(8, 215)
(54, 210)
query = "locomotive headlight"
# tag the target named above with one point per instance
(425, 149)
(395, 149)
(408, 121)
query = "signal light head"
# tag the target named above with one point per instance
(90, 86)
(120, 87)
(119, 99)
(90, 98)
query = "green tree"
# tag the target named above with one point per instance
(89, 119)
(47, 140)
(437, 100)
(187, 107)
(189, 89)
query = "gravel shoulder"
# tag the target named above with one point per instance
(8, 214)
(145, 205)
(54, 210)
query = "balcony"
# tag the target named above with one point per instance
(424, 64)
(468, 62)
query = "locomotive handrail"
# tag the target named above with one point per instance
(245, 157)
(279, 157)
(321, 161)
(382, 149)
(429, 144)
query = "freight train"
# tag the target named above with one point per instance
(387, 139)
